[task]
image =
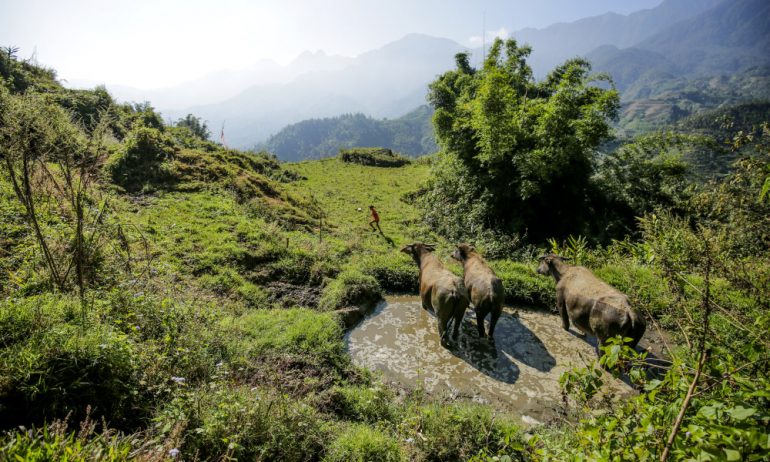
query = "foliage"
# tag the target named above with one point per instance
(350, 288)
(56, 442)
(244, 423)
(377, 157)
(40, 144)
(360, 443)
(370, 404)
(516, 155)
(411, 134)
(145, 160)
(19, 76)
(523, 285)
(63, 371)
(640, 177)
(461, 431)
(196, 126)
(393, 271)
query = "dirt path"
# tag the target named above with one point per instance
(519, 372)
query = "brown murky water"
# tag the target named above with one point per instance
(518, 372)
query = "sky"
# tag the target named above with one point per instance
(157, 43)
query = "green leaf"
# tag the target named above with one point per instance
(732, 454)
(741, 413)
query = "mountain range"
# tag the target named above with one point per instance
(666, 47)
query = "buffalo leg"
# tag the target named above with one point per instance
(480, 315)
(458, 319)
(562, 306)
(493, 322)
(443, 322)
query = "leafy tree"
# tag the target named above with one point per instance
(196, 126)
(517, 155)
(639, 177)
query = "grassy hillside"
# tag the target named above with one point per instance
(165, 298)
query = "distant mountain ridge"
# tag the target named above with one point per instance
(410, 134)
(558, 42)
(384, 82)
(645, 52)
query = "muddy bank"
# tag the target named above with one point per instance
(519, 372)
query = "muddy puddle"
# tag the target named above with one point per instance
(519, 372)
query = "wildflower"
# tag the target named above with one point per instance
(179, 380)
(409, 440)
(173, 452)
(220, 364)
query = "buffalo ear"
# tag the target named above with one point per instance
(431, 247)
(471, 248)
(408, 249)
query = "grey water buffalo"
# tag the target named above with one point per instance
(592, 305)
(440, 290)
(484, 287)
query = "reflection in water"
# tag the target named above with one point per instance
(519, 371)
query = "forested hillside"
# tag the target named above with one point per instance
(163, 297)
(411, 134)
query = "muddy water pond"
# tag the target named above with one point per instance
(518, 372)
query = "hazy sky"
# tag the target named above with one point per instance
(153, 43)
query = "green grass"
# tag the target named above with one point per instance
(340, 189)
(360, 443)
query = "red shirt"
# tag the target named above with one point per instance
(375, 216)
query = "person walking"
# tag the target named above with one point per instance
(375, 219)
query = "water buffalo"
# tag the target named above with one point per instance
(594, 306)
(439, 289)
(485, 288)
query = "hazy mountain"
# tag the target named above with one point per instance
(380, 83)
(221, 85)
(410, 134)
(553, 44)
(733, 35)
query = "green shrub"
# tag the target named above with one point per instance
(292, 331)
(351, 287)
(65, 371)
(244, 424)
(369, 404)
(54, 442)
(377, 157)
(144, 161)
(394, 271)
(523, 285)
(359, 443)
(461, 431)
(254, 296)
(646, 288)
(21, 318)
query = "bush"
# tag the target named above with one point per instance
(461, 431)
(350, 288)
(394, 271)
(523, 285)
(646, 288)
(21, 318)
(54, 442)
(144, 161)
(360, 443)
(245, 424)
(377, 157)
(294, 331)
(369, 404)
(65, 371)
